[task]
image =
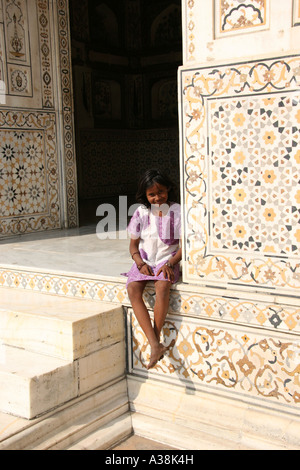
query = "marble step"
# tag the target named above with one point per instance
(54, 349)
(99, 419)
(107, 435)
(62, 327)
(31, 383)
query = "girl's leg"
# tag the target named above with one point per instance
(135, 293)
(162, 289)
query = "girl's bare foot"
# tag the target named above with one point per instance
(156, 355)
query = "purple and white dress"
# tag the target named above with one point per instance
(159, 240)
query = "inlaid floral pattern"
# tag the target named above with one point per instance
(240, 132)
(237, 15)
(251, 364)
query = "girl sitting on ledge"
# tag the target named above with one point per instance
(154, 232)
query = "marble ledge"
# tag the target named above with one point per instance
(238, 293)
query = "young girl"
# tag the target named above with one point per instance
(154, 246)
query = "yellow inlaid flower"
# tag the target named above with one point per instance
(268, 101)
(239, 158)
(297, 156)
(269, 176)
(240, 194)
(240, 231)
(269, 137)
(269, 214)
(239, 119)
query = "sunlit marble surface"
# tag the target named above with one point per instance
(70, 251)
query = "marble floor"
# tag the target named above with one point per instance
(77, 251)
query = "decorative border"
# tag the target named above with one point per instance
(45, 50)
(183, 301)
(70, 174)
(190, 29)
(198, 86)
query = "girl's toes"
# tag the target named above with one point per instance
(156, 356)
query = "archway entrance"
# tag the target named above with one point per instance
(125, 56)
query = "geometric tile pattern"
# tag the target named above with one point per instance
(248, 364)
(240, 179)
(256, 194)
(29, 183)
(22, 173)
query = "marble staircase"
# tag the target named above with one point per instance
(62, 372)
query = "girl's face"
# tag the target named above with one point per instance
(157, 194)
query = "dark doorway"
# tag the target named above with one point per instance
(125, 57)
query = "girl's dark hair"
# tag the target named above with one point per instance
(150, 178)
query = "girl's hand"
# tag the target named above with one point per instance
(146, 270)
(167, 272)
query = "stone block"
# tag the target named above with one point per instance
(61, 327)
(31, 384)
(101, 367)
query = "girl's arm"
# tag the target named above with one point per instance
(176, 258)
(135, 255)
